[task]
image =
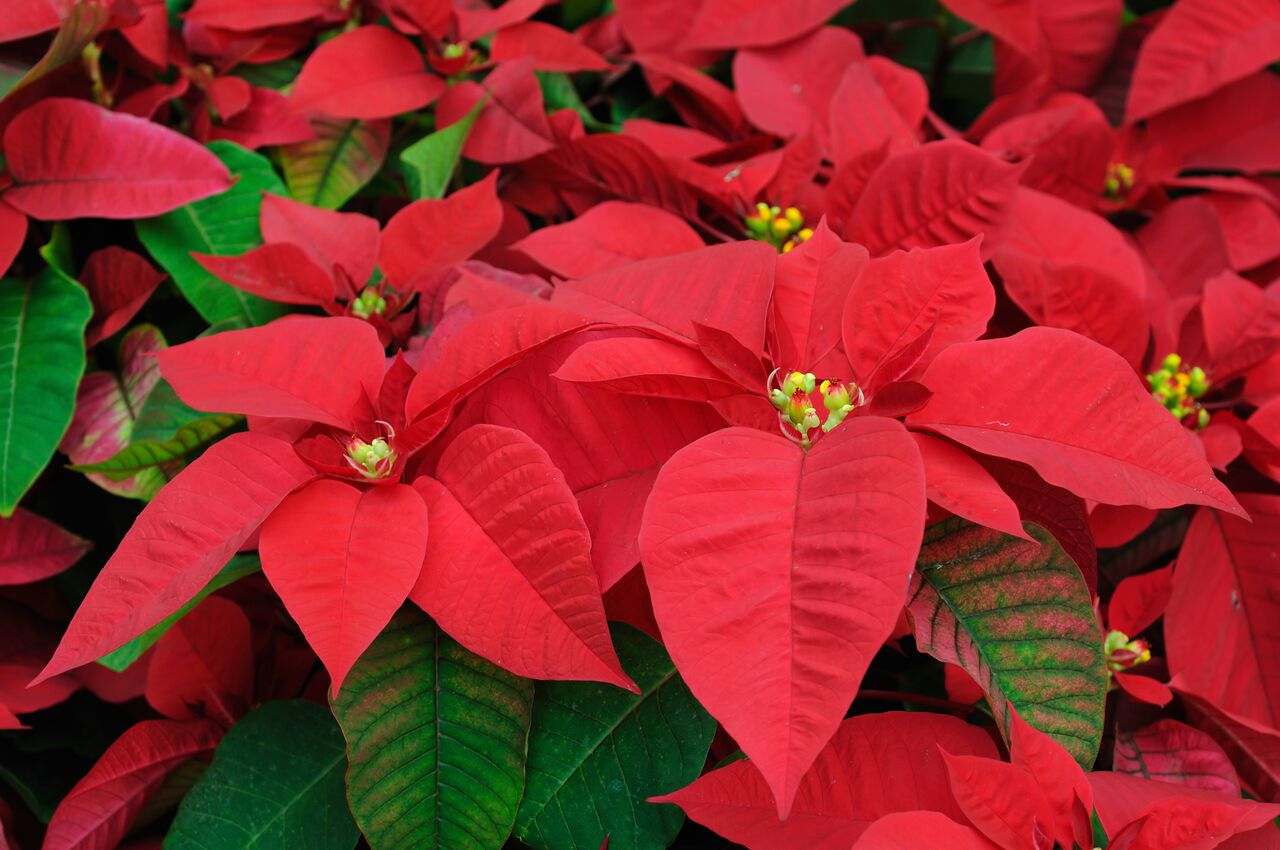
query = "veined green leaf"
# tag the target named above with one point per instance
(329, 169)
(141, 455)
(237, 568)
(1018, 617)
(429, 163)
(436, 739)
(275, 782)
(224, 224)
(596, 753)
(42, 324)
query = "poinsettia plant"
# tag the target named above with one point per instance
(639, 424)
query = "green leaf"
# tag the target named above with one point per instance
(436, 738)
(345, 155)
(141, 455)
(237, 568)
(42, 324)
(224, 224)
(429, 163)
(1018, 617)
(81, 25)
(275, 782)
(596, 753)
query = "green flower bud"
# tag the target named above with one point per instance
(1171, 363)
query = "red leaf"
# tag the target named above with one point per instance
(279, 272)
(810, 292)
(1001, 800)
(481, 19)
(863, 116)
(1169, 751)
(855, 780)
(552, 48)
(1254, 749)
(608, 236)
(343, 561)
(776, 574)
(1122, 448)
(25, 18)
(333, 239)
(179, 542)
(1138, 601)
(316, 369)
(668, 294)
(1144, 689)
(911, 830)
(1162, 815)
(508, 573)
(259, 14)
(512, 125)
(101, 807)
(412, 249)
(1064, 784)
(648, 367)
(33, 548)
(369, 72)
(751, 23)
(1198, 47)
(1241, 324)
(206, 657)
(1098, 306)
(106, 164)
(1222, 628)
(1069, 142)
(899, 297)
(958, 483)
(938, 194)
(119, 283)
(13, 232)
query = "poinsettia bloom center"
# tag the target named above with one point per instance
(373, 459)
(1124, 654)
(1119, 180)
(793, 399)
(370, 302)
(1178, 387)
(783, 229)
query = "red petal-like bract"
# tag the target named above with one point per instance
(343, 561)
(331, 239)
(13, 232)
(119, 283)
(939, 194)
(1142, 815)
(959, 484)
(1222, 628)
(1169, 751)
(1064, 784)
(608, 236)
(205, 658)
(1004, 802)
(315, 369)
(99, 810)
(512, 125)
(1254, 748)
(33, 548)
(1138, 601)
(105, 164)
(370, 72)
(913, 830)
(776, 574)
(508, 573)
(179, 542)
(856, 779)
(256, 14)
(899, 297)
(552, 48)
(1200, 46)
(1120, 448)
(281, 272)
(430, 234)
(748, 23)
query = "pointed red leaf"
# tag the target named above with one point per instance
(1098, 306)
(179, 542)
(1139, 814)
(102, 806)
(106, 164)
(899, 297)
(256, 14)
(1254, 748)
(810, 291)
(343, 561)
(912, 830)
(369, 72)
(1063, 782)
(332, 239)
(13, 232)
(205, 658)
(1070, 143)
(552, 48)
(608, 236)
(1222, 627)
(119, 283)
(938, 194)
(412, 247)
(748, 23)
(1169, 751)
(1138, 601)
(482, 19)
(864, 116)
(1144, 689)
(958, 483)
(1121, 448)
(1198, 47)
(668, 294)
(1241, 324)
(310, 368)
(648, 367)
(1004, 802)
(776, 574)
(25, 18)
(33, 548)
(855, 780)
(280, 272)
(508, 572)
(512, 125)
